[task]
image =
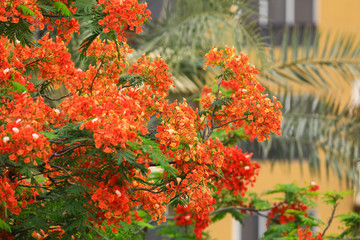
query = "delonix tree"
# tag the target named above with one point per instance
(115, 152)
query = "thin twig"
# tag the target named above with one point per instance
(146, 189)
(257, 211)
(56, 99)
(67, 172)
(219, 126)
(330, 220)
(68, 149)
(28, 186)
(97, 72)
(211, 128)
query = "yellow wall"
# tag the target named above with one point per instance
(339, 15)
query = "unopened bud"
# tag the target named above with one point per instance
(35, 136)
(6, 139)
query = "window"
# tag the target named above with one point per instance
(276, 15)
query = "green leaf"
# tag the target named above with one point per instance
(26, 10)
(49, 135)
(224, 101)
(218, 216)
(62, 8)
(18, 87)
(4, 226)
(145, 224)
(151, 147)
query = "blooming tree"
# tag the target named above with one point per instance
(115, 151)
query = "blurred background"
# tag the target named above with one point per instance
(308, 55)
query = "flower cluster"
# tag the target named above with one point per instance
(111, 58)
(238, 172)
(122, 15)
(306, 234)
(280, 212)
(156, 72)
(198, 210)
(51, 60)
(178, 126)
(31, 12)
(25, 144)
(12, 65)
(248, 104)
(54, 232)
(113, 202)
(7, 197)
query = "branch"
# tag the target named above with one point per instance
(56, 99)
(157, 165)
(31, 63)
(219, 126)
(146, 189)
(330, 220)
(257, 211)
(97, 72)
(211, 129)
(68, 149)
(9, 163)
(67, 172)
(28, 186)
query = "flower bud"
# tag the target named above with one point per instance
(35, 136)
(6, 139)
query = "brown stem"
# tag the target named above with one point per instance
(219, 126)
(68, 149)
(257, 211)
(330, 220)
(67, 172)
(56, 99)
(97, 72)
(146, 189)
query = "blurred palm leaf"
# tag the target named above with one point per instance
(313, 77)
(188, 29)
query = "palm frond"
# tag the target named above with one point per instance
(323, 64)
(190, 28)
(312, 130)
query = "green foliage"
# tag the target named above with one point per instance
(18, 87)
(352, 223)
(129, 80)
(4, 225)
(151, 147)
(26, 10)
(223, 101)
(186, 30)
(173, 231)
(17, 31)
(62, 8)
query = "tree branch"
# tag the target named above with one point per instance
(248, 209)
(219, 126)
(97, 72)
(330, 220)
(68, 149)
(56, 99)
(67, 172)
(146, 189)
